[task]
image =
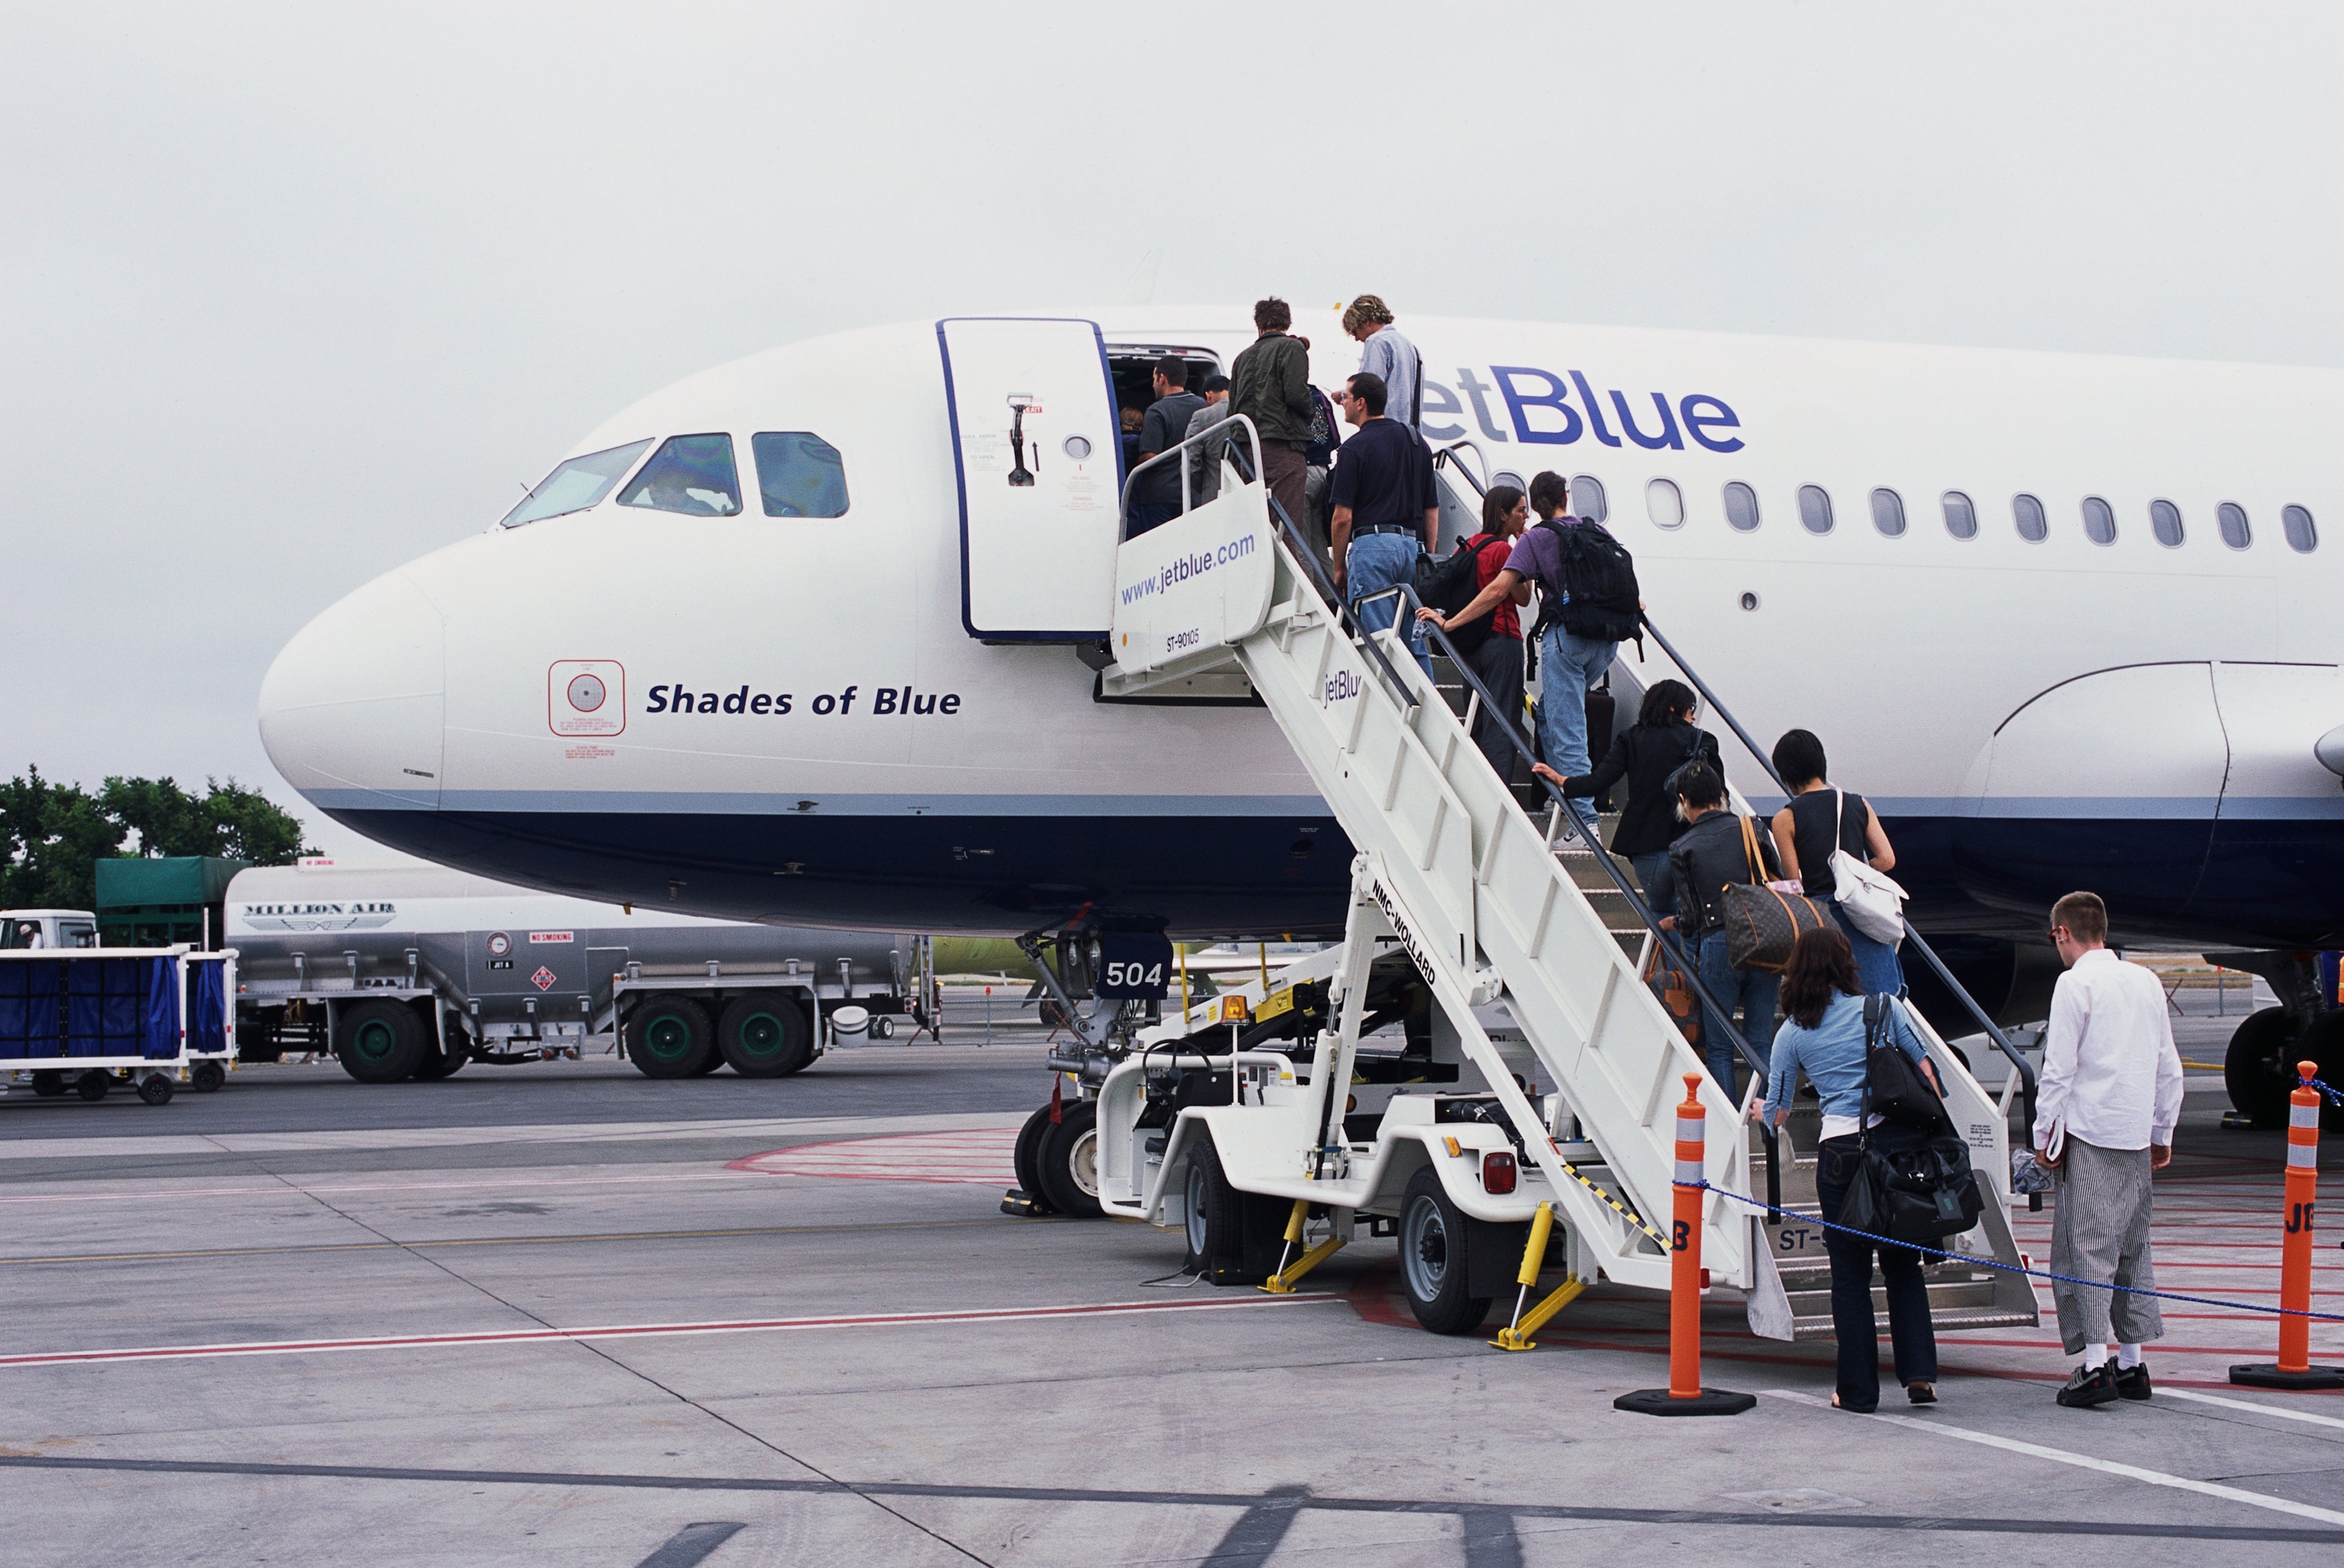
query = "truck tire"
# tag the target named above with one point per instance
(1027, 1159)
(1432, 1260)
(668, 1037)
(438, 1064)
(1213, 1219)
(380, 1042)
(765, 1035)
(48, 1084)
(1068, 1161)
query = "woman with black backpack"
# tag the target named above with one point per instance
(1649, 753)
(1823, 1035)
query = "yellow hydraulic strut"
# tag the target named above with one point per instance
(1516, 1335)
(1282, 1282)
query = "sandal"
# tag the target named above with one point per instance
(1851, 1409)
(1921, 1393)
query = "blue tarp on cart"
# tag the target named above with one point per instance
(207, 1023)
(31, 1020)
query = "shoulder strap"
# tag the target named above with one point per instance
(1839, 810)
(1749, 849)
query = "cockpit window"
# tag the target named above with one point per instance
(689, 474)
(577, 484)
(799, 474)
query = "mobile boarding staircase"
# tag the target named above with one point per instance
(1490, 906)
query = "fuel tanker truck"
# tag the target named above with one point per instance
(410, 971)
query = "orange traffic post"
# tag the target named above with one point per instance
(2293, 1370)
(1684, 1395)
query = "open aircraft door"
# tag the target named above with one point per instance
(1040, 469)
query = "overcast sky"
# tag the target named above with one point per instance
(290, 295)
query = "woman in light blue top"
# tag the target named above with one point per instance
(1822, 1037)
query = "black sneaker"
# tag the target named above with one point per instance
(2132, 1383)
(2090, 1386)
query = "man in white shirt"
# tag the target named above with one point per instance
(2105, 1110)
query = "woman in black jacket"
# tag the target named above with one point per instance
(1661, 741)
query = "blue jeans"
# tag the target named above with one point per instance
(1378, 561)
(1877, 966)
(1754, 991)
(1648, 871)
(1568, 665)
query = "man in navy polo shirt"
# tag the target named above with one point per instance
(1386, 513)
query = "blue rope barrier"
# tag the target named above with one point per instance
(2010, 1268)
(2335, 1097)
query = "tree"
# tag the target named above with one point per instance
(52, 835)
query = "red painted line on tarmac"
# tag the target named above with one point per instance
(650, 1330)
(491, 1185)
(983, 1158)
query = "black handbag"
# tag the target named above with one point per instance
(1913, 1180)
(1895, 1088)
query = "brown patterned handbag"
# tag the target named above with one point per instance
(1761, 924)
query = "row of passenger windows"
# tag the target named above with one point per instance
(799, 474)
(1664, 503)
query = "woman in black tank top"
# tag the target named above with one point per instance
(1802, 836)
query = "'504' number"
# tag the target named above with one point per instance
(1120, 974)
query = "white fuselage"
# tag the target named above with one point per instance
(2027, 715)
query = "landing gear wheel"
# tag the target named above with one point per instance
(156, 1090)
(92, 1084)
(48, 1085)
(2259, 1068)
(2323, 1042)
(668, 1037)
(209, 1076)
(379, 1042)
(765, 1034)
(1028, 1160)
(1069, 1161)
(1432, 1259)
(1216, 1243)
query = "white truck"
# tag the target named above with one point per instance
(412, 971)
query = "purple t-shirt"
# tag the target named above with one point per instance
(1534, 555)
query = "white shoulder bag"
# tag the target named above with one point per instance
(1874, 904)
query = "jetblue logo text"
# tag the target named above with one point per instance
(881, 703)
(1542, 408)
(1193, 564)
(1342, 686)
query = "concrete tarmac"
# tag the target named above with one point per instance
(562, 1314)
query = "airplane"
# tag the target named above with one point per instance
(776, 642)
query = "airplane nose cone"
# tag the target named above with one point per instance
(352, 711)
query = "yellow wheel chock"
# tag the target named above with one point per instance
(1517, 1335)
(1282, 1282)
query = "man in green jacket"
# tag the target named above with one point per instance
(1271, 385)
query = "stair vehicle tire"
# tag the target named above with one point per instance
(2259, 1067)
(1214, 1219)
(1027, 1159)
(380, 1042)
(93, 1086)
(668, 1036)
(765, 1035)
(155, 1088)
(208, 1078)
(48, 1084)
(1069, 1161)
(1432, 1262)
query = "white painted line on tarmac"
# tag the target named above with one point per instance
(2083, 1461)
(653, 1330)
(2284, 1414)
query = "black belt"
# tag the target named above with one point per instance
(1408, 527)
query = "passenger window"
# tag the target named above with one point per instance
(2099, 520)
(1741, 508)
(2164, 521)
(799, 474)
(1961, 517)
(2233, 519)
(2295, 522)
(576, 484)
(1814, 509)
(1888, 512)
(1587, 500)
(2028, 513)
(689, 474)
(1664, 503)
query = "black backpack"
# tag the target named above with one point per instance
(1598, 596)
(1449, 585)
